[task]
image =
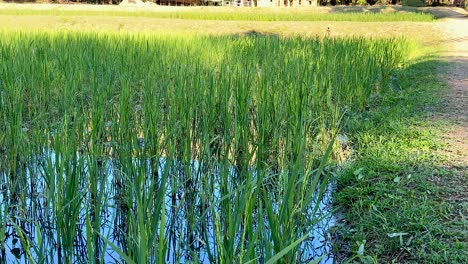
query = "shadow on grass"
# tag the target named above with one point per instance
(396, 193)
(255, 33)
(456, 102)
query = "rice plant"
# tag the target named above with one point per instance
(170, 148)
(236, 14)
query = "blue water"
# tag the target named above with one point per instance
(36, 219)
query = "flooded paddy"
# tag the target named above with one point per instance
(35, 224)
(181, 149)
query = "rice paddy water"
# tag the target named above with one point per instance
(170, 148)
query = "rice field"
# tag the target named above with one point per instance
(228, 14)
(143, 148)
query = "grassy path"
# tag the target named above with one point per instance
(404, 195)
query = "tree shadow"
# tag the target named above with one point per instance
(255, 33)
(453, 104)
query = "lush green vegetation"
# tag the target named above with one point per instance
(179, 147)
(398, 194)
(256, 14)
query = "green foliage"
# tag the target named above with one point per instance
(361, 2)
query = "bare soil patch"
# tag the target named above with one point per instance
(456, 99)
(455, 112)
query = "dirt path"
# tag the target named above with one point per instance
(455, 30)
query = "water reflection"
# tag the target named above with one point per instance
(30, 218)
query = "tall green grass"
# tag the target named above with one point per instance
(174, 148)
(250, 14)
